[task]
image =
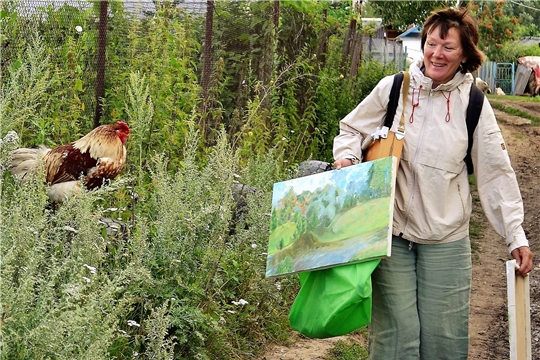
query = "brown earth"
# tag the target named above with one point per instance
(489, 320)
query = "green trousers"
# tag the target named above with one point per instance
(421, 297)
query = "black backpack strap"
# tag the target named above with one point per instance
(476, 101)
(394, 98)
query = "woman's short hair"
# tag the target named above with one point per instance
(465, 24)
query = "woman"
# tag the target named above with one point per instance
(421, 293)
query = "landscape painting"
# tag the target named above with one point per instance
(332, 218)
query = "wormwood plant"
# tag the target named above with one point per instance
(23, 89)
(55, 303)
(185, 276)
(140, 113)
(162, 48)
(186, 282)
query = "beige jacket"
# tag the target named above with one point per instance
(433, 203)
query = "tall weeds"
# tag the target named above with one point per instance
(24, 88)
(183, 277)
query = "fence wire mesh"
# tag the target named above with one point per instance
(219, 56)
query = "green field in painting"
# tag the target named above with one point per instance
(362, 219)
(367, 216)
(283, 235)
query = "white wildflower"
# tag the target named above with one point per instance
(240, 302)
(70, 229)
(10, 138)
(133, 323)
(278, 286)
(78, 28)
(254, 246)
(86, 279)
(92, 269)
(231, 311)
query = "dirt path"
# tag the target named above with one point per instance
(488, 323)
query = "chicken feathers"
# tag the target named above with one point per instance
(99, 155)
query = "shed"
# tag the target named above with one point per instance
(528, 75)
(410, 40)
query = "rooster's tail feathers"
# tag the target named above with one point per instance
(25, 161)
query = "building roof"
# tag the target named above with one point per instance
(529, 40)
(412, 33)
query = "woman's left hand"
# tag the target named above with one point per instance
(524, 258)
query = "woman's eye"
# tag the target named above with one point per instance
(448, 48)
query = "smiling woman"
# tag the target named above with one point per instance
(442, 57)
(421, 294)
(449, 45)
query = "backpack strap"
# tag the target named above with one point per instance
(476, 101)
(393, 102)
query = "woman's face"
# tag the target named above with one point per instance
(442, 57)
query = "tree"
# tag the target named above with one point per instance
(528, 12)
(496, 27)
(398, 15)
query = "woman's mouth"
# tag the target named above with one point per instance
(438, 64)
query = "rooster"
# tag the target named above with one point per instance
(97, 156)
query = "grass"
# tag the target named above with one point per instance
(513, 111)
(515, 98)
(352, 348)
(347, 350)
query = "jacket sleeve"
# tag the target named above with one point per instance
(362, 121)
(497, 184)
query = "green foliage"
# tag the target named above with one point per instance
(513, 111)
(161, 50)
(336, 96)
(184, 275)
(24, 89)
(140, 113)
(495, 27)
(400, 14)
(512, 51)
(347, 350)
(169, 285)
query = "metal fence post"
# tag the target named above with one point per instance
(100, 76)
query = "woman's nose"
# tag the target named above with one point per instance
(438, 51)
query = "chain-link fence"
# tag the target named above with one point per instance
(286, 67)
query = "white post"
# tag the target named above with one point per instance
(519, 313)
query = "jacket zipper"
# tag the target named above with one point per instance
(413, 166)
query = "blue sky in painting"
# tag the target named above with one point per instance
(340, 178)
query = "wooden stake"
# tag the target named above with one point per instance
(519, 313)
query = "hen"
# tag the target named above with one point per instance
(97, 156)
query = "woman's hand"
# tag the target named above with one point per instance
(524, 258)
(341, 163)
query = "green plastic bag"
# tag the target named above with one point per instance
(333, 301)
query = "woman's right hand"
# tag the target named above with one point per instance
(341, 163)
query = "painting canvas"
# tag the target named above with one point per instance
(332, 218)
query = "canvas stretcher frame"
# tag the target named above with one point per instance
(519, 313)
